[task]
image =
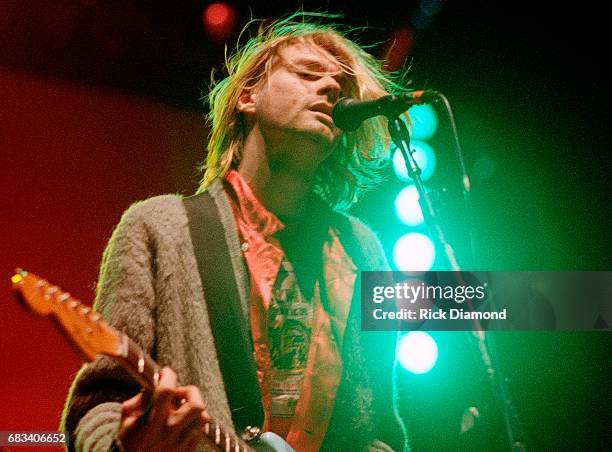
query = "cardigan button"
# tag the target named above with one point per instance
(244, 247)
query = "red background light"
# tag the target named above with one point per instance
(219, 20)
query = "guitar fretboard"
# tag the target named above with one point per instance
(147, 372)
(92, 336)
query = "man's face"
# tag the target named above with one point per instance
(293, 107)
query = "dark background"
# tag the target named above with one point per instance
(527, 84)
(102, 108)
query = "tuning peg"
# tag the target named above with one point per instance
(17, 278)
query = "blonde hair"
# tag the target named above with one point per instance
(355, 163)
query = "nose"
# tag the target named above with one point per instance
(330, 87)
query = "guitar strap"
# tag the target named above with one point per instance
(228, 323)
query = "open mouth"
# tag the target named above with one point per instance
(322, 107)
(323, 112)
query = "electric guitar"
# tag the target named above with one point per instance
(92, 336)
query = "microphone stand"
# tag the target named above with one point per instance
(515, 434)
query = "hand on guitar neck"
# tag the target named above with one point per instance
(170, 418)
(163, 417)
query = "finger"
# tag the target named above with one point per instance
(163, 396)
(167, 378)
(131, 421)
(191, 410)
(190, 394)
(131, 412)
(186, 422)
(164, 391)
(135, 403)
(189, 433)
(205, 417)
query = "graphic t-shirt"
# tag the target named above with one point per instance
(290, 317)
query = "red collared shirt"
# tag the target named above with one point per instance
(315, 374)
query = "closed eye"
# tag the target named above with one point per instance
(308, 76)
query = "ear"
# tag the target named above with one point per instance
(247, 102)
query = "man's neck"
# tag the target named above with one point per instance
(282, 188)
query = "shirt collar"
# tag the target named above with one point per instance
(251, 210)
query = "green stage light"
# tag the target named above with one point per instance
(407, 206)
(424, 121)
(414, 252)
(424, 156)
(417, 352)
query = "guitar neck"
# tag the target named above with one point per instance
(92, 336)
(138, 363)
(147, 372)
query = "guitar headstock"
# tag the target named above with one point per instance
(85, 328)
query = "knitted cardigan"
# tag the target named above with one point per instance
(150, 288)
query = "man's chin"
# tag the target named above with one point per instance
(330, 137)
(328, 143)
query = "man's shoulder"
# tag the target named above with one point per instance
(158, 201)
(160, 209)
(170, 203)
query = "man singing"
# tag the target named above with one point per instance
(279, 172)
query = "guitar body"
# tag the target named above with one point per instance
(270, 442)
(92, 336)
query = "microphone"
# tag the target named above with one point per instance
(348, 113)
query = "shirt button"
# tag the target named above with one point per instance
(244, 247)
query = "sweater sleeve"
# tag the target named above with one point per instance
(125, 296)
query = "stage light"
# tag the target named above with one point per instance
(219, 20)
(417, 352)
(414, 252)
(424, 121)
(407, 206)
(424, 156)
(398, 47)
